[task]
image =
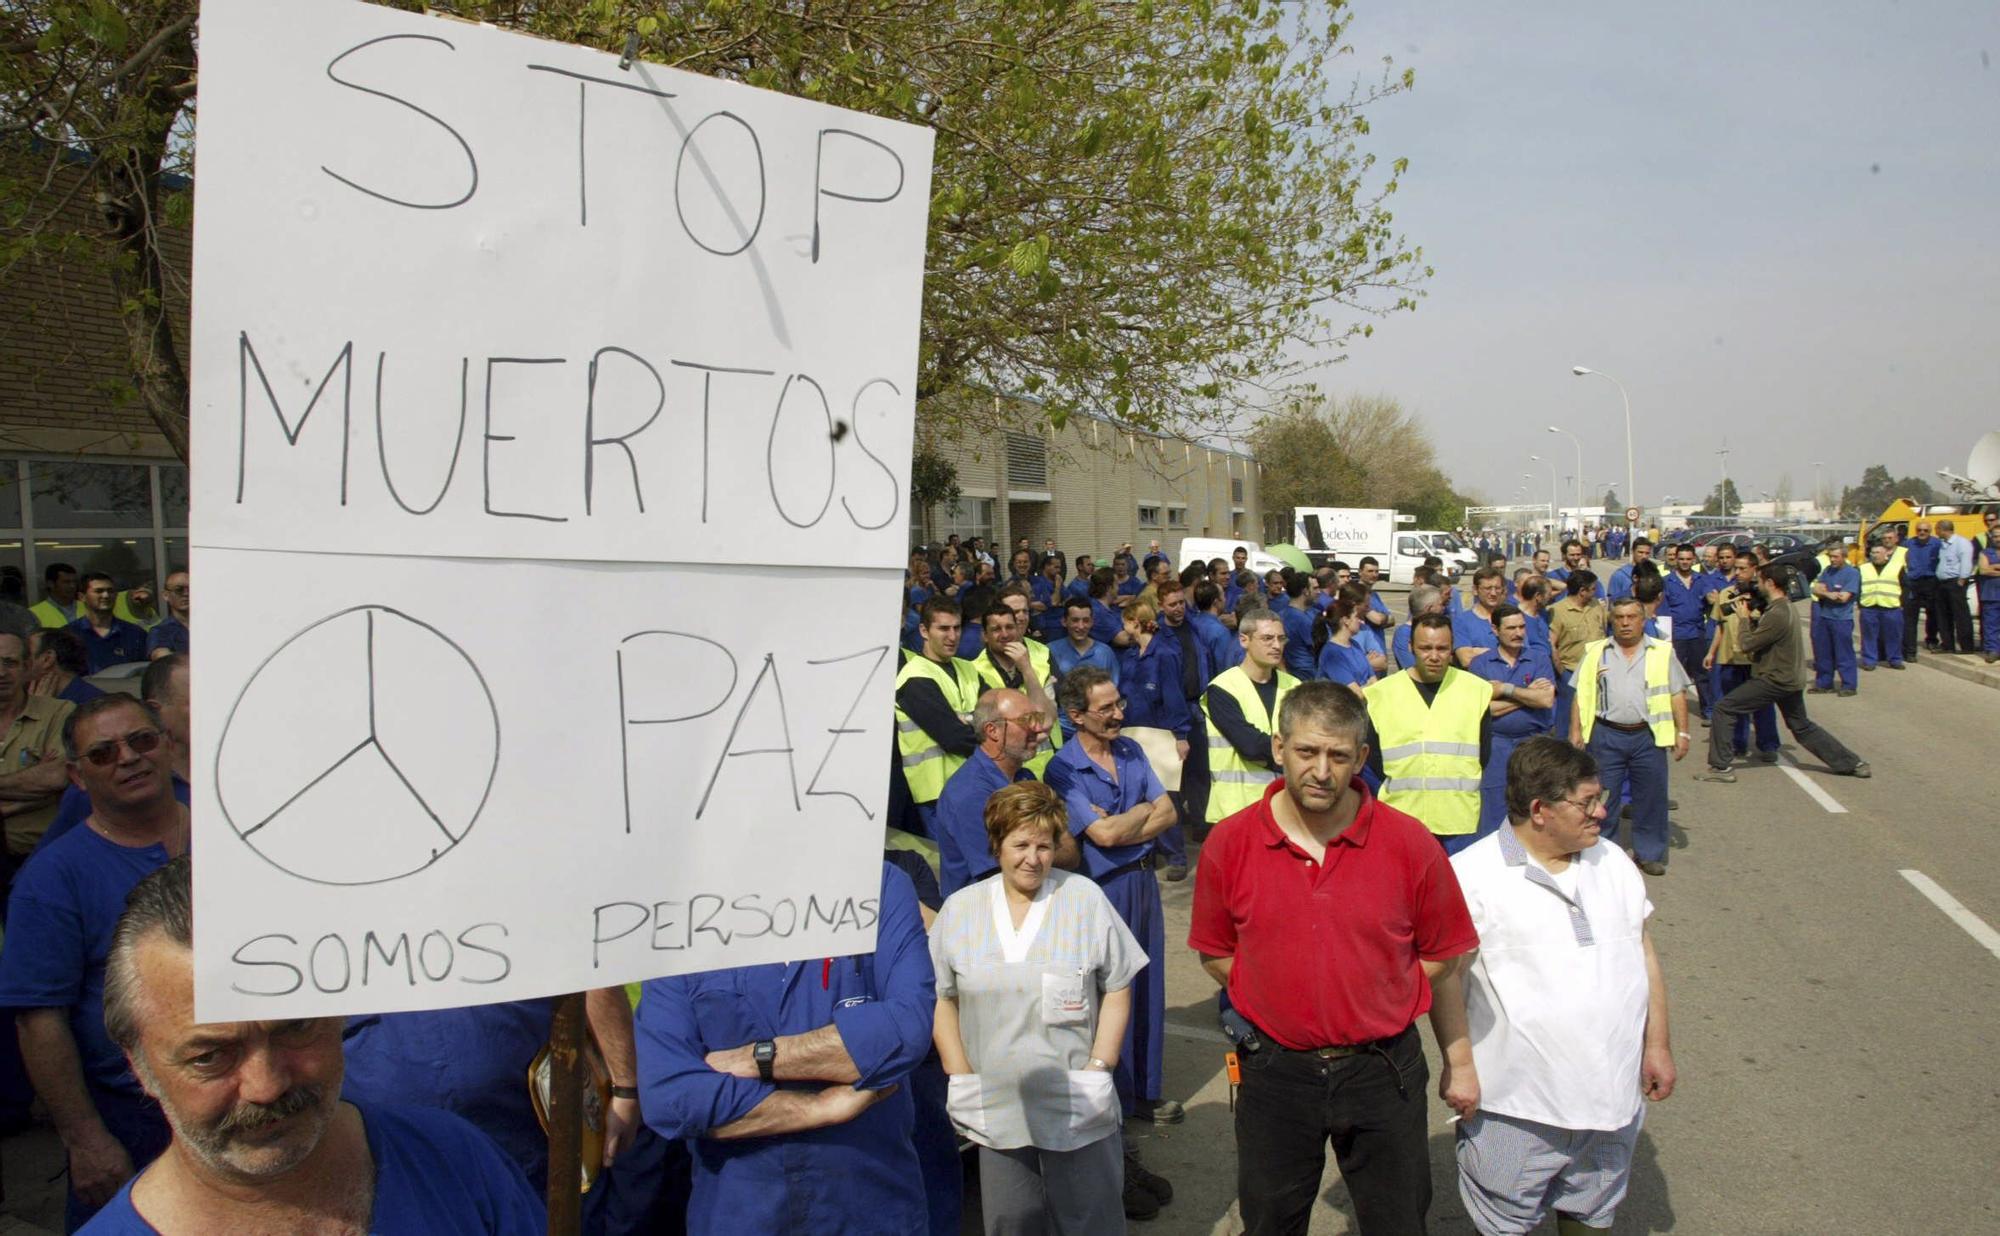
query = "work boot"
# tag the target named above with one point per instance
(1174, 873)
(1716, 774)
(1861, 770)
(1152, 1182)
(1159, 1111)
(1767, 757)
(1819, 690)
(1652, 867)
(1139, 1204)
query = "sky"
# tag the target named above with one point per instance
(1774, 224)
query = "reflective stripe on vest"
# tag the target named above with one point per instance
(1430, 754)
(1659, 690)
(926, 765)
(1882, 588)
(1235, 783)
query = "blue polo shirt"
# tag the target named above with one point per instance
(170, 633)
(74, 809)
(1091, 786)
(1130, 586)
(1152, 685)
(1219, 642)
(1682, 603)
(59, 923)
(1401, 647)
(1840, 579)
(467, 1061)
(1298, 643)
(1049, 621)
(79, 691)
(1106, 623)
(861, 1176)
(1469, 630)
(963, 855)
(123, 643)
(1920, 559)
(1345, 665)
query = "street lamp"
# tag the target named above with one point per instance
(1579, 461)
(1631, 486)
(1819, 488)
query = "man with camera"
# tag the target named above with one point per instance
(1778, 677)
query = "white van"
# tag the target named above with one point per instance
(1329, 534)
(1208, 548)
(1457, 555)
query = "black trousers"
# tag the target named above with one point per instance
(1746, 699)
(1918, 596)
(1370, 1105)
(1955, 601)
(1689, 653)
(1932, 605)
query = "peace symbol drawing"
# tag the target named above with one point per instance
(362, 750)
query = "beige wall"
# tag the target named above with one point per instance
(1098, 478)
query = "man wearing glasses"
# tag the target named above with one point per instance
(59, 932)
(171, 633)
(1563, 1007)
(1921, 597)
(1117, 807)
(1011, 731)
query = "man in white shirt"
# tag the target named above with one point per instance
(1564, 1006)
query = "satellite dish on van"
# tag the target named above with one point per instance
(1983, 466)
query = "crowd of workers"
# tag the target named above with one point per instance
(1364, 800)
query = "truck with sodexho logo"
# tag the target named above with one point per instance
(1330, 534)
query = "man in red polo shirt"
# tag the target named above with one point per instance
(1325, 915)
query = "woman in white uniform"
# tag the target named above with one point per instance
(1034, 969)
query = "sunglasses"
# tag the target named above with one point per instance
(105, 754)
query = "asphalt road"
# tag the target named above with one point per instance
(1837, 1035)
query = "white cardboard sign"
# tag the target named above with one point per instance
(524, 389)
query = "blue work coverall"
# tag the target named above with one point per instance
(859, 1177)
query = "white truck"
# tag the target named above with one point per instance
(1330, 534)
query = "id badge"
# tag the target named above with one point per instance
(1064, 1000)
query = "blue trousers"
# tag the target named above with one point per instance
(1989, 619)
(1492, 788)
(1881, 635)
(1765, 718)
(1833, 648)
(1141, 1072)
(937, 1148)
(1631, 758)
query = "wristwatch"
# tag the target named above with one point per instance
(624, 1092)
(765, 1053)
(1098, 1065)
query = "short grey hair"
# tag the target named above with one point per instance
(1325, 705)
(1422, 597)
(985, 713)
(161, 904)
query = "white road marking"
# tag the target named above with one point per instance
(1974, 925)
(1790, 767)
(1195, 1032)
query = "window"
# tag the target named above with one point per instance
(971, 517)
(1149, 517)
(1177, 517)
(1410, 546)
(128, 520)
(1236, 489)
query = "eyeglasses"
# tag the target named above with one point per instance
(1031, 721)
(1590, 806)
(1117, 705)
(105, 754)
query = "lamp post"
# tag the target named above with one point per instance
(1579, 460)
(1819, 488)
(1631, 485)
(1722, 494)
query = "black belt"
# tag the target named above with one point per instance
(1150, 862)
(1624, 728)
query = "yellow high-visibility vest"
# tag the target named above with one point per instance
(1234, 782)
(1659, 689)
(926, 765)
(1038, 661)
(1430, 753)
(1883, 588)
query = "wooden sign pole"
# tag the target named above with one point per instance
(566, 1117)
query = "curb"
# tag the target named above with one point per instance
(1975, 672)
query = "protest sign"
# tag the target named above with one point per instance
(551, 430)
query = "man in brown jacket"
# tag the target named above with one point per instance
(1778, 677)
